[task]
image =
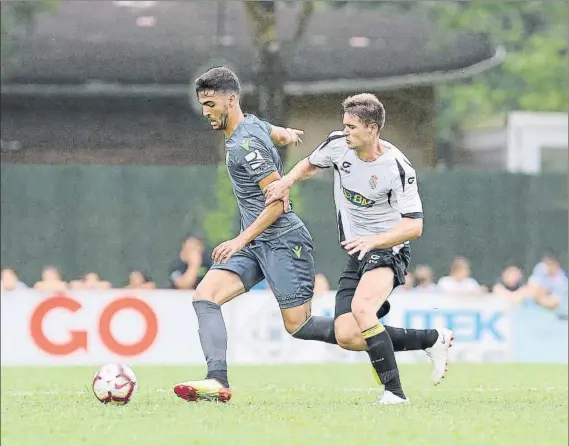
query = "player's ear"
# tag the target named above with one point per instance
(233, 100)
(376, 128)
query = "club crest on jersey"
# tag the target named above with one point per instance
(244, 144)
(357, 199)
(373, 182)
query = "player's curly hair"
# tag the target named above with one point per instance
(218, 79)
(367, 107)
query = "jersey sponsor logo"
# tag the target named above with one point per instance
(357, 199)
(373, 182)
(244, 144)
(255, 159)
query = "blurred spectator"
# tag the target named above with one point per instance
(424, 279)
(51, 280)
(140, 281)
(459, 282)
(91, 281)
(409, 282)
(191, 265)
(511, 284)
(321, 285)
(10, 281)
(548, 284)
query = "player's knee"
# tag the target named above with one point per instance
(291, 327)
(296, 317)
(207, 293)
(346, 336)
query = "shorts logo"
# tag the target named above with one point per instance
(373, 259)
(297, 250)
(255, 159)
(373, 182)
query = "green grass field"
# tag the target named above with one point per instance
(292, 405)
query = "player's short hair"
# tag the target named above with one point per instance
(367, 107)
(218, 79)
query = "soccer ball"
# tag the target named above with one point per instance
(115, 384)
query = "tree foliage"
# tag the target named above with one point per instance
(532, 77)
(18, 19)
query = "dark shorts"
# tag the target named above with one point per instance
(355, 269)
(286, 262)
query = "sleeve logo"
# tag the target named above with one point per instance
(254, 159)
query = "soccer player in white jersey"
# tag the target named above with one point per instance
(378, 210)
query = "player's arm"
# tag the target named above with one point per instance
(321, 158)
(300, 172)
(266, 218)
(281, 136)
(224, 251)
(407, 229)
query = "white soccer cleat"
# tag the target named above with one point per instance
(390, 399)
(438, 354)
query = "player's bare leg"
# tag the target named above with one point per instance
(373, 289)
(217, 287)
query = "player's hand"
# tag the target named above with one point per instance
(278, 190)
(363, 245)
(294, 136)
(224, 251)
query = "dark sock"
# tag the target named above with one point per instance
(317, 328)
(213, 338)
(404, 339)
(383, 310)
(382, 356)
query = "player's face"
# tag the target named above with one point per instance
(358, 134)
(215, 107)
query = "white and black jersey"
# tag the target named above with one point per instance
(371, 197)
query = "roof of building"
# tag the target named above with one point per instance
(96, 46)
